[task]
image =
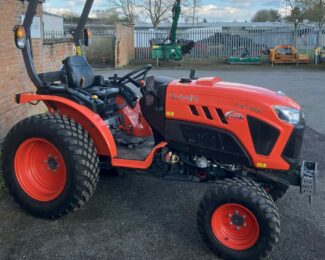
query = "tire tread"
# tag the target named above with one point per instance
(83, 155)
(242, 187)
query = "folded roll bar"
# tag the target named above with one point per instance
(28, 50)
(78, 32)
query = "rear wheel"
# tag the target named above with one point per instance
(239, 220)
(50, 165)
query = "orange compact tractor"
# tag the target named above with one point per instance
(287, 54)
(243, 139)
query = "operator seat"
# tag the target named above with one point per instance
(81, 75)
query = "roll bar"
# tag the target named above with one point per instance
(28, 50)
(78, 32)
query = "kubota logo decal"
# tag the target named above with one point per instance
(180, 97)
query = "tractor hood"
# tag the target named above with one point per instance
(256, 94)
(237, 92)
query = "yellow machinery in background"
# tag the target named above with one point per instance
(287, 54)
(320, 55)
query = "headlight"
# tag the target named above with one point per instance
(288, 114)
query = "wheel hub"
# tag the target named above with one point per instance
(238, 220)
(35, 158)
(235, 226)
(52, 163)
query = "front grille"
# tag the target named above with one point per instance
(264, 136)
(222, 116)
(194, 110)
(293, 147)
(209, 113)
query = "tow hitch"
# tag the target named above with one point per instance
(308, 174)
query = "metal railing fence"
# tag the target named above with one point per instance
(218, 43)
(57, 36)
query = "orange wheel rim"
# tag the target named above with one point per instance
(235, 226)
(40, 169)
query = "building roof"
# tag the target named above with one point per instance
(216, 24)
(246, 25)
(50, 14)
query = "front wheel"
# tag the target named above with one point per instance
(239, 220)
(50, 165)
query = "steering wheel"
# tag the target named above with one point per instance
(136, 76)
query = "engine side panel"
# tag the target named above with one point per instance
(214, 143)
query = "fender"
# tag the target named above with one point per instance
(90, 121)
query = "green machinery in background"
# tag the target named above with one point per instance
(171, 48)
(245, 59)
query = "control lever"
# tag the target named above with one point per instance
(192, 75)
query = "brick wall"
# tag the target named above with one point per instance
(54, 53)
(13, 76)
(102, 50)
(124, 46)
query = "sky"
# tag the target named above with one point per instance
(212, 10)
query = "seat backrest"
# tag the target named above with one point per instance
(79, 72)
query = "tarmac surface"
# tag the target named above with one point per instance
(138, 217)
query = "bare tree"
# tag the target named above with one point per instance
(315, 12)
(157, 10)
(296, 14)
(127, 7)
(296, 9)
(161, 10)
(190, 10)
(195, 5)
(271, 15)
(110, 16)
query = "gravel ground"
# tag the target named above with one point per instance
(2, 185)
(138, 217)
